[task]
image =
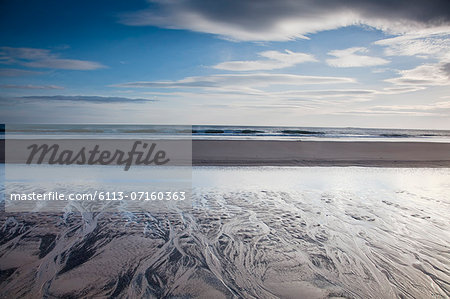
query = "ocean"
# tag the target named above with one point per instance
(226, 132)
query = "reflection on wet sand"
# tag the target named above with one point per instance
(358, 233)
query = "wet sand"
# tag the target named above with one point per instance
(251, 232)
(319, 153)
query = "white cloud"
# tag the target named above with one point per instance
(350, 58)
(423, 75)
(425, 43)
(274, 60)
(43, 58)
(240, 81)
(430, 43)
(400, 89)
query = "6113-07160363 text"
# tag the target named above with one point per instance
(101, 196)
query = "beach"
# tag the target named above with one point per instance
(264, 219)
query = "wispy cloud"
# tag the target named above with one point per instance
(260, 80)
(400, 89)
(13, 86)
(425, 43)
(17, 72)
(274, 60)
(428, 107)
(423, 75)
(430, 43)
(43, 58)
(351, 58)
(282, 20)
(264, 87)
(441, 108)
(81, 98)
(235, 95)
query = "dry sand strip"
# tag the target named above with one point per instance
(319, 153)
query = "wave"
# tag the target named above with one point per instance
(302, 132)
(231, 132)
(395, 135)
(140, 131)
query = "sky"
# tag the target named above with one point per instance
(311, 63)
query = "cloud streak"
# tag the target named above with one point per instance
(274, 60)
(17, 73)
(433, 109)
(257, 80)
(86, 99)
(14, 86)
(351, 58)
(43, 58)
(264, 87)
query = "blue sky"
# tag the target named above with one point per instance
(294, 63)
